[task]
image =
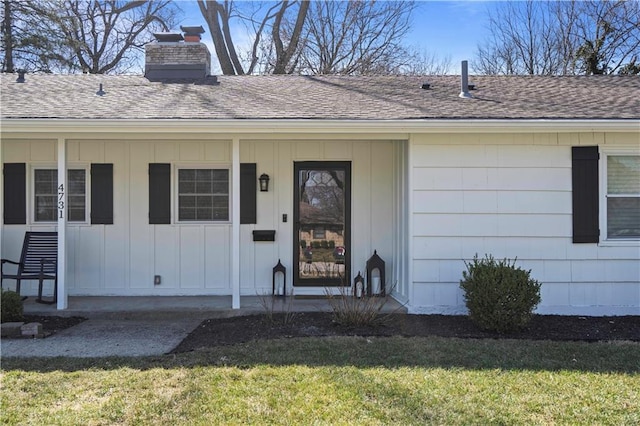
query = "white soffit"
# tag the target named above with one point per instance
(400, 127)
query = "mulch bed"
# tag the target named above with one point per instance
(53, 324)
(243, 329)
(229, 331)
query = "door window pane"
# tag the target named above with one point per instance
(321, 196)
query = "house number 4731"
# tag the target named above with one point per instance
(61, 201)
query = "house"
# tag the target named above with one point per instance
(161, 193)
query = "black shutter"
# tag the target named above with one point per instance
(102, 194)
(15, 194)
(159, 193)
(585, 194)
(248, 189)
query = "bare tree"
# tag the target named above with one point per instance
(522, 40)
(285, 54)
(570, 37)
(607, 36)
(424, 62)
(356, 37)
(267, 24)
(7, 36)
(218, 16)
(313, 37)
(94, 36)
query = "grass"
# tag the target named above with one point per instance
(336, 380)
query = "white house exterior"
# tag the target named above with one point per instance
(430, 179)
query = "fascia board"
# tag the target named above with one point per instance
(400, 127)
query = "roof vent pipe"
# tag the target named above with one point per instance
(464, 93)
(20, 78)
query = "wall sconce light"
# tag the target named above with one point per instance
(264, 182)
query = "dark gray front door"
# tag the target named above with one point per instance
(322, 226)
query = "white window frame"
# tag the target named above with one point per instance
(602, 170)
(175, 182)
(31, 200)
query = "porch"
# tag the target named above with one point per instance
(199, 307)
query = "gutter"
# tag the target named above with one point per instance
(272, 126)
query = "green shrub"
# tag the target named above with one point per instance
(498, 295)
(332, 244)
(303, 244)
(315, 244)
(11, 305)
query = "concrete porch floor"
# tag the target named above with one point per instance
(201, 307)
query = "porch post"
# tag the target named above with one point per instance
(62, 224)
(235, 228)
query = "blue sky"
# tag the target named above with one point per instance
(451, 28)
(443, 28)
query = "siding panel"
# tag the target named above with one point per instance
(516, 202)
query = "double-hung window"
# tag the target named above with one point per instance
(45, 202)
(622, 191)
(203, 195)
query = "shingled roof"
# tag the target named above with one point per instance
(320, 97)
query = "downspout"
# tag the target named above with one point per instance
(62, 224)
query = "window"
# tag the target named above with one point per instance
(622, 208)
(318, 233)
(46, 195)
(76, 195)
(203, 194)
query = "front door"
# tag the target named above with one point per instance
(322, 223)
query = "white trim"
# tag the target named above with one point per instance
(63, 301)
(401, 128)
(235, 228)
(595, 310)
(408, 218)
(606, 151)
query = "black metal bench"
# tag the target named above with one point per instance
(38, 261)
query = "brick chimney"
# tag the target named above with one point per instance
(173, 56)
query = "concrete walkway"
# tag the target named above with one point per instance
(142, 326)
(104, 337)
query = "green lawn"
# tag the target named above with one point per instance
(335, 381)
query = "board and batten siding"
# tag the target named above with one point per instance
(509, 195)
(122, 258)
(375, 206)
(194, 259)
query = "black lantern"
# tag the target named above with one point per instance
(375, 275)
(358, 286)
(278, 290)
(264, 182)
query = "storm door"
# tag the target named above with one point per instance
(322, 223)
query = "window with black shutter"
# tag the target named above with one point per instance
(15, 194)
(248, 188)
(102, 194)
(585, 195)
(159, 193)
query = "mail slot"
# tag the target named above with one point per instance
(264, 235)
